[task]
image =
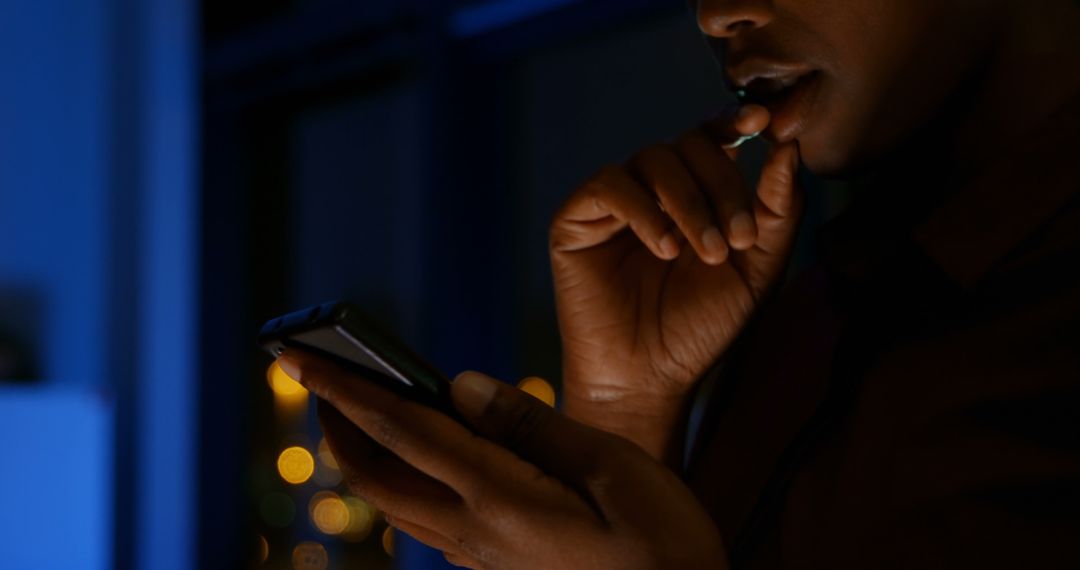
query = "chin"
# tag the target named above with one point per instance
(825, 159)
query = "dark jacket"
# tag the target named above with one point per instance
(913, 401)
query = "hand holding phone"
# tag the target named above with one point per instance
(341, 332)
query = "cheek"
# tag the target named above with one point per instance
(893, 68)
(857, 107)
(827, 145)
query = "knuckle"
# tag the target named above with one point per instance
(689, 209)
(595, 186)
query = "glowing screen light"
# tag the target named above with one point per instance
(539, 389)
(295, 465)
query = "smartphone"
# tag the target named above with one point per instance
(341, 332)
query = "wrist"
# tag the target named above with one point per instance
(655, 422)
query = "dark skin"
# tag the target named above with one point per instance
(660, 262)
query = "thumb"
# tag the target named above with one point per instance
(778, 187)
(562, 447)
(777, 211)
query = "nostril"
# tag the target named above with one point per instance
(726, 27)
(727, 21)
(740, 25)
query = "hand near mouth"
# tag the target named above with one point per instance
(658, 265)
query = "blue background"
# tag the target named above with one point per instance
(172, 174)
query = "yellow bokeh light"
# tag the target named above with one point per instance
(539, 389)
(388, 540)
(361, 519)
(329, 513)
(325, 456)
(284, 387)
(264, 549)
(310, 556)
(295, 465)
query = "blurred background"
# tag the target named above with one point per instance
(172, 174)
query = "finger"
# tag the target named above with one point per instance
(661, 169)
(736, 125)
(607, 204)
(383, 479)
(724, 185)
(428, 440)
(462, 561)
(779, 177)
(778, 211)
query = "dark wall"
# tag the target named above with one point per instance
(389, 157)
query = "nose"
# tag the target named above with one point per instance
(727, 18)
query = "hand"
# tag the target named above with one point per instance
(659, 263)
(529, 489)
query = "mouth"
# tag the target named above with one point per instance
(788, 91)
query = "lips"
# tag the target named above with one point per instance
(787, 90)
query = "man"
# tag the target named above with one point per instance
(912, 401)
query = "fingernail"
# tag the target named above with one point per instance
(744, 112)
(742, 231)
(715, 244)
(290, 368)
(473, 392)
(669, 247)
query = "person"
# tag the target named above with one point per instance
(912, 400)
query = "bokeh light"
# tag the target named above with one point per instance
(362, 518)
(327, 474)
(264, 549)
(388, 540)
(329, 513)
(326, 477)
(325, 457)
(539, 389)
(284, 388)
(310, 556)
(277, 509)
(295, 465)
